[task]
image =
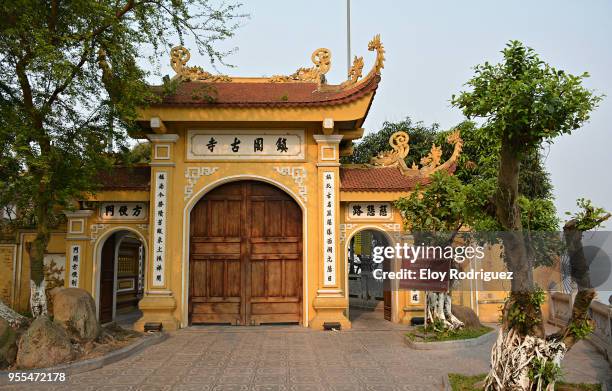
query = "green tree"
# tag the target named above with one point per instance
(526, 103)
(70, 83)
(421, 138)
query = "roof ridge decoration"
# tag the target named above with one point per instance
(322, 64)
(429, 164)
(321, 58)
(179, 56)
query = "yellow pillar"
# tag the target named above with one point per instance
(158, 303)
(331, 301)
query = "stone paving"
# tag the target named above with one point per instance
(295, 358)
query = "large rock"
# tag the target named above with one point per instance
(75, 310)
(8, 345)
(466, 315)
(44, 344)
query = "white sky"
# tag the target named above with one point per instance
(431, 47)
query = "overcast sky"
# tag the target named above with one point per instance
(431, 48)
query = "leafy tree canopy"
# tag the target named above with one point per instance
(70, 85)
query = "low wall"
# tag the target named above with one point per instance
(560, 310)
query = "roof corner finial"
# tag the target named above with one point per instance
(376, 44)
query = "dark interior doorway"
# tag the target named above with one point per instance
(367, 296)
(121, 278)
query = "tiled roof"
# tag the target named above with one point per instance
(126, 178)
(379, 179)
(262, 94)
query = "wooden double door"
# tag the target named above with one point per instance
(245, 260)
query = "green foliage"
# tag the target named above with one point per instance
(589, 216)
(521, 314)
(581, 329)
(438, 333)
(526, 100)
(460, 382)
(545, 371)
(70, 87)
(437, 207)
(421, 138)
(137, 154)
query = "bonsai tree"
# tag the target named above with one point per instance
(525, 103)
(70, 82)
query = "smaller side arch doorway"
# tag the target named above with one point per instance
(369, 298)
(121, 278)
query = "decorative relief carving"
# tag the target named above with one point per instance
(193, 174)
(321, 59)
(392, 227)
(179, 56)
(96, 230)
(299, 177)
(344, 229)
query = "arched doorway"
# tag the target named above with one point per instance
(245, 256)
(368, 297)
(121, 278)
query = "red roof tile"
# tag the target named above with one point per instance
(377, 179)
(126, 178)
(263, 94)
(380, 179)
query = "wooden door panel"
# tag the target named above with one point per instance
(246, 256)
(107, 280)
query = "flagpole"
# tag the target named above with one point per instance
(348, 36)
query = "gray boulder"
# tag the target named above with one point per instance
(8, 345)
(74, 309)
(44, 344)
(466, 315)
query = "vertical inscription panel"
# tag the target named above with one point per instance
(159, 233)
(7, 254)
(329, 228)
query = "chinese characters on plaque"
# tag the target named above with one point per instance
(140, 268)
(123, 211)
(75, 264)
(329, 228)
(269, 144)
(159, 226)
(370, 211)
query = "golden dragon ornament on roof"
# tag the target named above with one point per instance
(429, 163)
(179, 56)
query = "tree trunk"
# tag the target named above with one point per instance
(523, 358)
(38, 297)
(439, 312)
(14, 319)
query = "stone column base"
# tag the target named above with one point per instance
(330, 309)
(157, 308)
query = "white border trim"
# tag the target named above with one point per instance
(394, 289)
(156, 154)
(97, 253)
(301, 133)
(184, 322)
(322, 152)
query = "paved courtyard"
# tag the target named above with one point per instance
(372, 356)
